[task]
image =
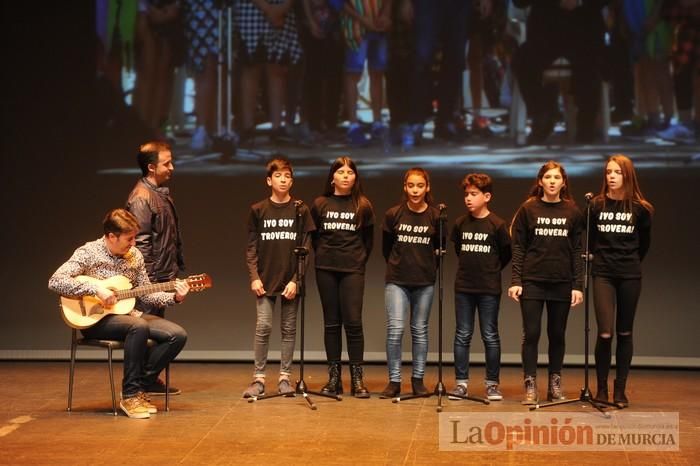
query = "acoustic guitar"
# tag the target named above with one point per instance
(86, 311)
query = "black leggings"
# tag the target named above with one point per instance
(615, 302)
(557, 315)
(341, 297)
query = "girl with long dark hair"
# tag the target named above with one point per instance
(547, 269)
(620, 238)
(343, 242)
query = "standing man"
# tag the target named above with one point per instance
(115, 254)
(159, 238)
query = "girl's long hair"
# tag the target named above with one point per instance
(359, 200)
(630, 186)
(422, 173)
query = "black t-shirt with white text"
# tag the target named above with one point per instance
(547, 243)
(409, 241)
(619, 238)
(272, 237)
(483, 248)
(342, 241)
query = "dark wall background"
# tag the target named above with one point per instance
(53, 201)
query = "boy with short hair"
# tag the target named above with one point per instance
(483, 247)
(273, 227)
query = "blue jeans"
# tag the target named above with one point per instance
(141, 364)
(466, 307)
(398, 300)
(373, 48)
(263, 327)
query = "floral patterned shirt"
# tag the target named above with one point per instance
(95, 260)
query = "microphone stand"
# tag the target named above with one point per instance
(585, 396)
(301, 252)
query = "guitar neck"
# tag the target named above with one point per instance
(145, 289)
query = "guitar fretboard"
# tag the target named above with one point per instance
(144, 290)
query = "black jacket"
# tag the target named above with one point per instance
(159, 238)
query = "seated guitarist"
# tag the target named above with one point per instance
(115, 254)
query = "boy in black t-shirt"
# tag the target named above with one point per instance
(482, 244)
(274, 226)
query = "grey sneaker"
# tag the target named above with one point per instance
(493, 393)
(554, 392)
(530, 391)
(459, 392)
(257, 388)
(285, 388)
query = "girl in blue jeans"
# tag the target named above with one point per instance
(410, 237)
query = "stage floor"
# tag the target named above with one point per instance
(209, 423)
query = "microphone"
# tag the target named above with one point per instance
(443, 212)
(588, 196)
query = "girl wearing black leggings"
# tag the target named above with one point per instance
(342, 242)
(547, 269)
(620, 238)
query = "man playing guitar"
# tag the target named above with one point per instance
(115, 254)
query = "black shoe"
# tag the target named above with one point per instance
(418, 386)
(158, 389)
(392, 390)
(357, 387)
(335, 383)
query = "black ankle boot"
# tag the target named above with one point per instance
(619, 397)
(418, 386)
(335, 383)
(357, 387)
(392, 390)
(602, 393)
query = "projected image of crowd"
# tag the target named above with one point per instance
(397, 73)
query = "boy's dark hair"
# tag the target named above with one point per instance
(479, 180)
(148, 154)
(278, 162)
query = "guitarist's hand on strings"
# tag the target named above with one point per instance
(181, 290)
(107, 296)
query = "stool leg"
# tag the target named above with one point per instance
(111, 380)
(71, 373)
(167, 387)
